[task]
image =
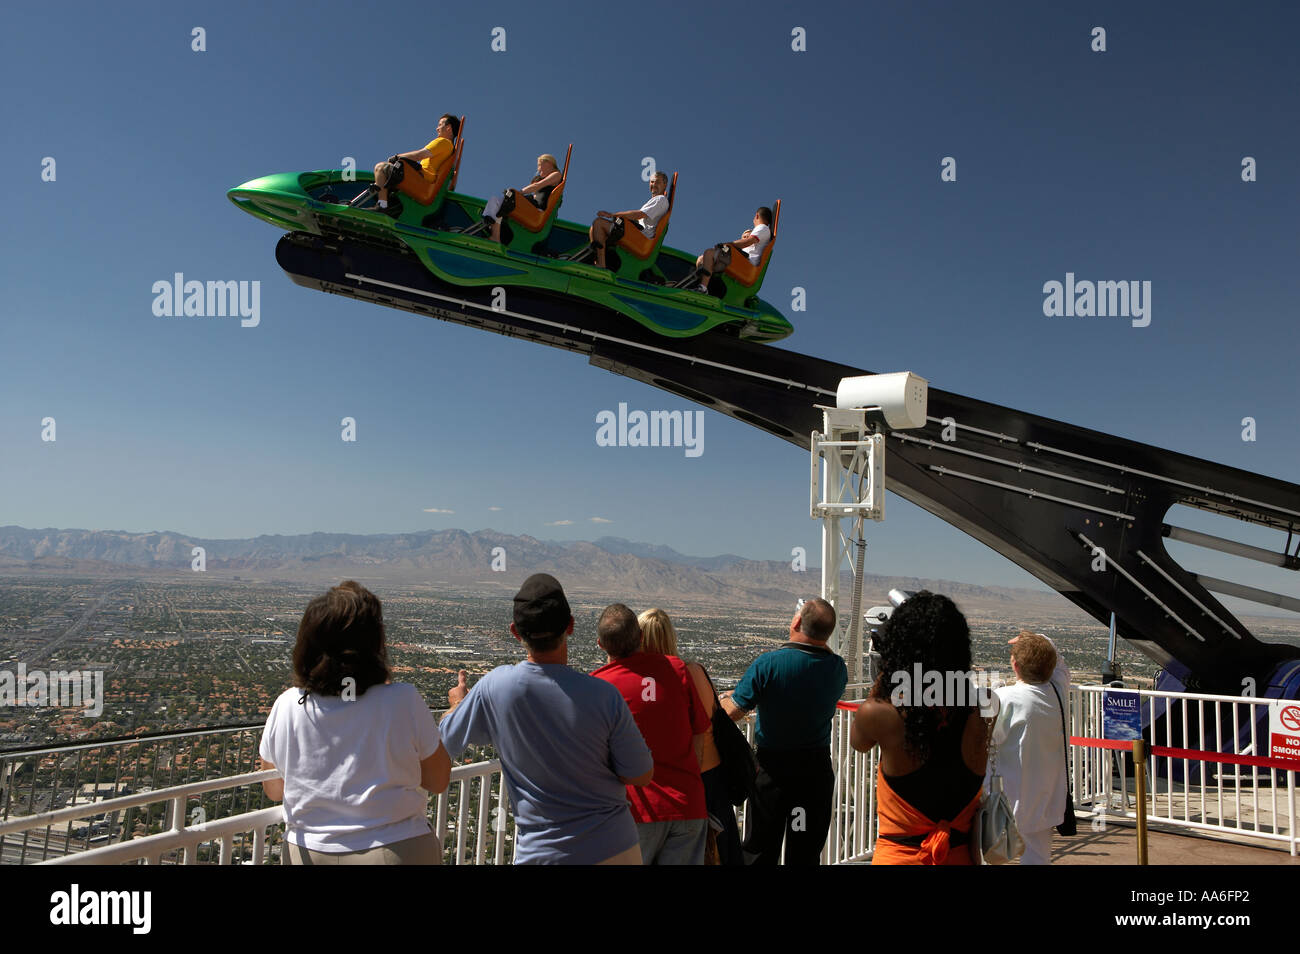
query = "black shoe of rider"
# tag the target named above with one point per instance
(394, 208)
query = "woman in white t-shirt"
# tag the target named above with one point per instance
(357, 754)
(752, 242)
(1030, 740)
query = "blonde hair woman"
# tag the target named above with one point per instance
(659, 636)
(538, 192)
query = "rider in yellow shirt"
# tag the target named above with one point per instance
(429, 159)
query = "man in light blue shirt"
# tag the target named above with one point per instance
(567, 741)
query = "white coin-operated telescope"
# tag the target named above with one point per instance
(875, 620)
(848, 482)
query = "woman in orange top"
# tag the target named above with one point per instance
(933, 742)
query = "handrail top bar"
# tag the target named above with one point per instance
(151, 846)
(72, 812)
(170, 735)
(1169, 694)
(246, 726)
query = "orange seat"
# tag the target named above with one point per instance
(530, 216)
(741, 269)
(634, 240)
(456, 156)
(424, 190)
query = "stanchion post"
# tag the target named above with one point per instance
(1140, 777)
(1295, 834)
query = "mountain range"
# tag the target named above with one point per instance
(465, 560)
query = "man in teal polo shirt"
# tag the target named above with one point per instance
(795, 689)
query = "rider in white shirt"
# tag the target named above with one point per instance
(752, 242)
(646, 218)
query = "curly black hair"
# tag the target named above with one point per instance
(341, 636)
(927, 629)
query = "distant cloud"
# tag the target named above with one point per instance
(437, 510)
(599, 520)
(560, 523)
(494, 508)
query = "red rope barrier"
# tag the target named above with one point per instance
(1195, 755)
(1101, 743)
(1163, 751)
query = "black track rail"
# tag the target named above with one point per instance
(1045, 494)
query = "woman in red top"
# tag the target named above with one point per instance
(933, 742)
(659, 636)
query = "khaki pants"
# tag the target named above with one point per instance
(632, 856)
(420, 850)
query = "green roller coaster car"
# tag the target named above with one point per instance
(538, 249)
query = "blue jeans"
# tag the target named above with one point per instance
(722, 813)
(673, 842)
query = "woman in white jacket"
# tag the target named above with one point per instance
(1030, 743)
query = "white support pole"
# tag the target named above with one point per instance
(848, 456)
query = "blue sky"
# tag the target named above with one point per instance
(1122, 165)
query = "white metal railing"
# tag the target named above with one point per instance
(472, 819)
(42, 779)
(852, 836)
(479, 782)
(1244, 802)
(150, 848)
(1241, 803)
(490, 817)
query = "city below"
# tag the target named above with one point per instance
(94, 647)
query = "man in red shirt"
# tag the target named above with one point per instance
(671, 817)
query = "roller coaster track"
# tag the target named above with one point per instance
(1081, 510)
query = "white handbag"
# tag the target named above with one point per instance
(995, 839)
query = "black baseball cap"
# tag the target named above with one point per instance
(540, 606)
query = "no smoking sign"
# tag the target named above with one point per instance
(1284, 730)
